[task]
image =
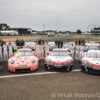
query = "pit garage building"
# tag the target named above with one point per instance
(8, 32)
(22, 30)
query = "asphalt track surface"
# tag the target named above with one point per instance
(55, 86)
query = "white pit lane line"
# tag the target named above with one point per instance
(76, 70)
(41, 73)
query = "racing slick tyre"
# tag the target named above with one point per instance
(9, 71)
(85, 70)
(1, 68)
(82, 70)
(69, 69)
(36, 69)
(48, 68)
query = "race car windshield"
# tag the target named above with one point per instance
(23, 54)
(28, 53)
(93, 54)
(58, 54)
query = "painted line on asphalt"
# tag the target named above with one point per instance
(41, 73)
(76, 70)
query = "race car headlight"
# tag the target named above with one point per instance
(86, 62)
(68, 60)
(48, 60)
(12, 62)
(33, 60)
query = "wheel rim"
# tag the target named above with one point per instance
(86, 70)
(48, 68)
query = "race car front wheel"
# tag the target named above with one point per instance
(1, 68)
(68, 69)
(82, 69)
(85, 70)
(9, 71)
(48, 68)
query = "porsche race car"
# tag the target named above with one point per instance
(91, 61)
(59, 58)
(23, 60)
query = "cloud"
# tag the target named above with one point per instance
(54, 14)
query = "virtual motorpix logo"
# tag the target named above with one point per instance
(75, 95)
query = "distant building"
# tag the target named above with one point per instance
(34, 32)
(8, 32)
(67, 32)
(41, 32)
(22, 30)
(96, 31)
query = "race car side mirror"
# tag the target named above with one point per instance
(68, 49)
(35, 54)
(85, 50)
(33, 49)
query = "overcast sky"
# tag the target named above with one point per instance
(54, 14)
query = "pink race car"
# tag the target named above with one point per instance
(23, 60)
